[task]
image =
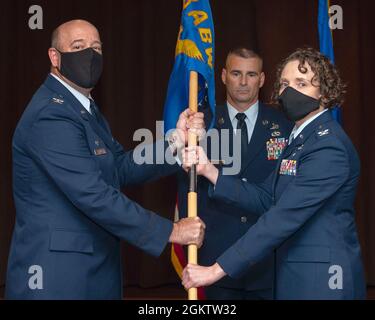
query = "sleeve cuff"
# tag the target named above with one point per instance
(224, 189)
(233, 263)
(156, 237)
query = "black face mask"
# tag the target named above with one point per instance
(297, 105)
(83, 68)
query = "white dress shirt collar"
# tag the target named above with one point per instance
(85, 101)
(251, 113)
(296, 131)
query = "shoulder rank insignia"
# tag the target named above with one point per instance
(288, 167)
(275, 147)
(57, 100)
(220, 121)
(323, 132)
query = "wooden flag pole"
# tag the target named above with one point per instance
(192, 194)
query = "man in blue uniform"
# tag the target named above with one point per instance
(264, 133)
(306, 205)
(67, 174)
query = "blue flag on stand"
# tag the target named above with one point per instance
(326, 43)
(195, 51)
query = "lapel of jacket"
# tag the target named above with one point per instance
(64, 93)
(102, 133)
(223, 122)
(260, 134)
(300, 140)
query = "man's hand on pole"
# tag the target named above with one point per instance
(188, 231)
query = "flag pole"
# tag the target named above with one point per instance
(192, 193)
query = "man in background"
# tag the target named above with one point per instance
(262, 132)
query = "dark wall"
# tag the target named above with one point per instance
(139, 40)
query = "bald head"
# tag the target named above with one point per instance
(75, 35)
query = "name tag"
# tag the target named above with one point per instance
(100, 151)
(288, 167)
(275, 147)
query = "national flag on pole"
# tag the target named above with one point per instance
(195, 51)
(326, 42)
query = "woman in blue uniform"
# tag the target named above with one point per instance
(306, 206)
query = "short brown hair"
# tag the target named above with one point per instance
(326, 75)
(245, 53)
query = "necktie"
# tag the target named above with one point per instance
(291, 138)
(241, 124)
(96, 114)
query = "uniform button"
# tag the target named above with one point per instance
(243, 219)
(244, 179)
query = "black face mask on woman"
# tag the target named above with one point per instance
(297, 105)
(83, 68)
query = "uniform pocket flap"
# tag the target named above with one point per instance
(309, 254)
(70, 241)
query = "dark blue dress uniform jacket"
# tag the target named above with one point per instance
(70, 212)
(310, 218)
(227, 223)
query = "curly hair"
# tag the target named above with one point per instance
(326, 76)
